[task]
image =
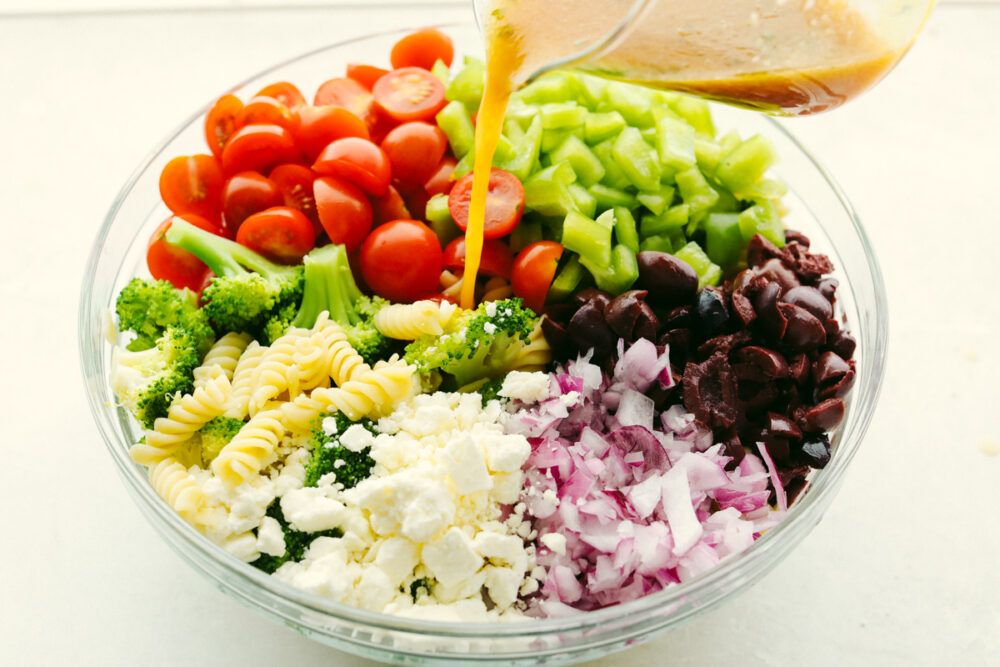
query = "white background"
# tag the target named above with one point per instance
(904, 569)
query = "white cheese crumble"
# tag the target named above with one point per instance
(526, 387)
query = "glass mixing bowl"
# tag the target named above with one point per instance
(817, 207)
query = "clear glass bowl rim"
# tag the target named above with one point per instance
(802, 515)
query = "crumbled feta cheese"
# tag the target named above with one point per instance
(525, 387)
(339, 463)
(330, 426)
(270, 537)
(310, 510)
(490, 328)
(555, 542)
(464, 457)
(451, 558)
(356, 437)
(491, 309)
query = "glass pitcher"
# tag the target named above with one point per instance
(782, 56)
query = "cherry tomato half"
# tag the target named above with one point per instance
(220, 123)
(496, 259)
(259, 148)
(357, 160)
(244, 194)
(192, 184)
(415, 150)
(266, 111)
(422, 49)
(168, 262)
(401, 260)
(366, 75)
(409, 93)
(281, 234)
(284, 92)
(295, 182)
(344, 211)
(533, 271)
(440, 181)
(318, 126)
(345, 93)
(504, 203)
(389, 206)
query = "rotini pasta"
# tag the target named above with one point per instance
(238, 404)
(495, 289)
(222, 358)
(251, 450)
(277, 371)
(409, 321)
(346, 364)
(186, 415)
(536, 354)
(172, 481)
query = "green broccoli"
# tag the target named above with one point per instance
(329, 456)
(478, 344)
(146, 381)
(215, 435)
(247, 289)
(148, 307)
(296, 542)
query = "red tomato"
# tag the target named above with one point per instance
(388, 207)
(295, 182)
(179, 267)
(440, 181)
(266, 111)
(345, 93)
(366, 75)
(401, 260)
(220, 122)
(416, 201)
(259, 148)
(344, 211)
(410, 93)
(192, 184)
(496, 259)
(414, 149)
(359, 161)
(504, 203)
(281, 234)
(318, 126)
(422, 49)
(533, 271)
(379, 124)
(247, 193)
(284, 92)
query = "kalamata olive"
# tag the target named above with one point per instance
(829, 368)
(759, 250)
(824, 416)
(588, 330)
(756, 395)
(843, 344)
(804, 331)
(816, 451)
(593, 295)
(742, 280)
(837, 389)
(725, 343)
(678, 342)
(760, 364)
(798, 369)
(631, 317)
(782, 427)
(828, 288)
(743, 308)
(779, 273)
(811, 299)
(677, 318)
(670, 281)
(710, 311)
(766, 305)
(794, 236)
(558, 338)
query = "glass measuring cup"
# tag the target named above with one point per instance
(783, 56)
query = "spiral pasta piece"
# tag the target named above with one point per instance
(409, 321)
(346, 364)
(186, 415)
(251, 450)
(238, 404)
(536, 354)
(495, 289)
(223, 357)
(277, 371)
(172, 482)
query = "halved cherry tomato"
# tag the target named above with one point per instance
(410, 93)
(318, 126)
(422, 49)
(284, 92)
(259, 148)
(440, 181)
(295, 182)
(344, 211)
(281, 234)
(266, 111)
(220, 122)
(496, 259)
(379, 124)
(504, 203)
(414, 149)
(247, 193)
(401, 260)
(192, 184)
(416, 199)
(389, 206)
(345, 93)
(357, 160)
(366, 75)
(168, 262)
(533, 271)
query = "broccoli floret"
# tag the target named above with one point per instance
(490, 390)
(148, 307)
(146, 381)
(296, 542)
(215, 435)
(329, 456)
(278, 324)
(478, 344)
(247, 289)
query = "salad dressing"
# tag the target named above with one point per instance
(791, 57)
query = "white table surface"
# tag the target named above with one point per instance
(904, 570)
